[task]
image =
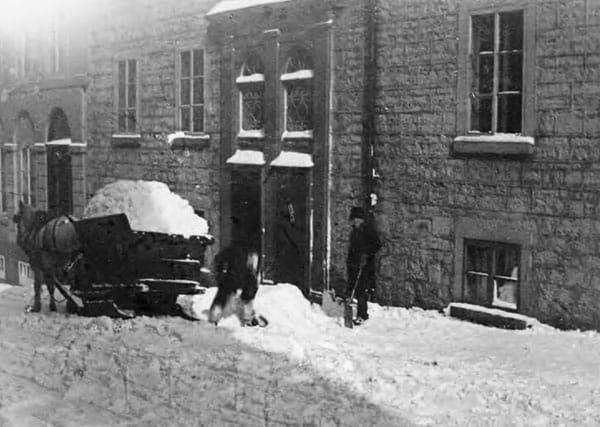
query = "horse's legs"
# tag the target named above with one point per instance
(50, 287)
(37, 291)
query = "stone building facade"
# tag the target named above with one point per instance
(472, 123)
(465, 215)
(42, 122)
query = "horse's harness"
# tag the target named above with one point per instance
(29, 238)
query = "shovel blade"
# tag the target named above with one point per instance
(348, 315)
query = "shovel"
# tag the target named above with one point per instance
(348, 312)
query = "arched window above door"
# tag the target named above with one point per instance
(251, 85)
(297, 80)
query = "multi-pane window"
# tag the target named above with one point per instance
(251, 84)
(27, 180)
(127, 96)
(57, 53)
(5, 159)
(496, 58)
(491, 273)
(191, 90)
(298, 84)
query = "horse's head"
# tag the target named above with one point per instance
(26, 220)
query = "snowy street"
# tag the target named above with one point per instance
(403, 367)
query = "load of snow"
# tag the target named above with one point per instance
(149, 206)
(5, 286)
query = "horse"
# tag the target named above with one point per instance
(236, 269)
(50, 244)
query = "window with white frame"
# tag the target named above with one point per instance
(4, 184)
(27, 178)
(496, 55)
(191, 90)
(26, 276)
(251, 85)
(127, 95)
(491, 273)
(2, 267)
(298, 94)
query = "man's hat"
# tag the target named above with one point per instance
(357, 212)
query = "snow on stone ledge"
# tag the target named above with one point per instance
(487, 315)
(149, 206)
(172, 137)
(247, 157)
(252, 78)
(292, 159)
(231, 5)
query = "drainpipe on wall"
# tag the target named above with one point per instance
(369, 173)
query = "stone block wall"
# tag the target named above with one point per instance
(552, 197)
(347, 127)
(153, 33)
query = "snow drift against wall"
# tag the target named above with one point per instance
(149, 206)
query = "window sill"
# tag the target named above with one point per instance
(297, 134)
(493, 145)
(251, 134)
(184, 140)
(125, 140)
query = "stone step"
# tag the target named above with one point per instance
(489, 316)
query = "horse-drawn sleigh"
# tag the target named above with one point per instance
(103, 267)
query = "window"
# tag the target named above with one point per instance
(491, 274)
(25, 274)
(127, 96)
(298, 99)
(4, 184)
(27, 181)
(2, 267)
(496, 72)
(191, 90)
(496, 80)
(251, 84)
(57, 51)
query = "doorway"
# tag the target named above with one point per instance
(291, 227)
(246, 205)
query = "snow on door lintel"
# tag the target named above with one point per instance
(247, 157)
(292, 159)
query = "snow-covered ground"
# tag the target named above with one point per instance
(402, 367)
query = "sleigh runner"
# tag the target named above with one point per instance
(118, 271)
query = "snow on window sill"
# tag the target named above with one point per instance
(63, 141)
(125, 140)
(297, 134)
(297, 75)
(188, 140)
(254, 134)
(499, 144)
(252, 78)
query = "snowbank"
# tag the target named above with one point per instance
(4, 287)
(432, 368)
(149, 206)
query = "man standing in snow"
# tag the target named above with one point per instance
(360, 264)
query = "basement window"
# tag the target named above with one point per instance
(491, 274)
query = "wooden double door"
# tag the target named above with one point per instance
(273, 210)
